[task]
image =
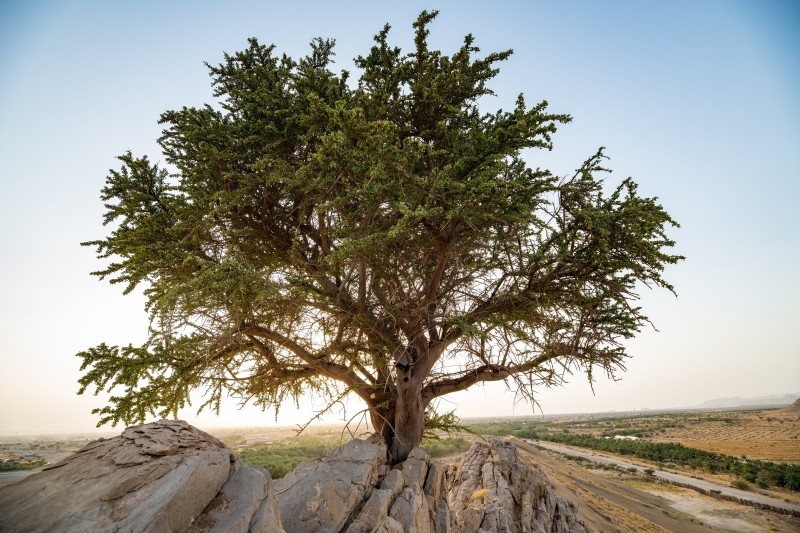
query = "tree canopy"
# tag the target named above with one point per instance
(307, 234)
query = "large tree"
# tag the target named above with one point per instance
(385, 238)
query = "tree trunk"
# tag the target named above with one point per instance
(382, 418)
(409, 419)
(398, 412)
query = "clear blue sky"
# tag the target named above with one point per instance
(698, 101)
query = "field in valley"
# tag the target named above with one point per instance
(764, 434)
(618, 500)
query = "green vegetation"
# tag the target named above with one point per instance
(381, 235)
(280, 459)
(763, 473)
(446, 446)
(12, 465)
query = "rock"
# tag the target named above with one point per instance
(411, 506)
(169, 476)
(154, 477)
(794, 408)
(376, 509)
(492, 490)
(246, 503)
(323, 495)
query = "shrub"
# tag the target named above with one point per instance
(740, 484)
(280, 459)
(446, 446)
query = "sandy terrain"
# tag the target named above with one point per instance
(761, 498)
(615, 501)
(764, 435)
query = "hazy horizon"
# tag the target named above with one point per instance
(218, 423)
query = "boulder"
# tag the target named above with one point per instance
(323, 495)
(246, 503)
(154, 477)
(169, 476)
(492, 490)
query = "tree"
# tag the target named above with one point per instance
(384, 238)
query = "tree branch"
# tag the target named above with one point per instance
(325, 367)
(480, 374)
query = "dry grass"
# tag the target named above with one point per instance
(479, 494)
(764, 435)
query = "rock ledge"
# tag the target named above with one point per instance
(170, 476)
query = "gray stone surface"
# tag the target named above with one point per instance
(493, 491)
(246, 503)
(423, 496)
(137, 481)
(168, 476)
(323, 495)
(155, 477)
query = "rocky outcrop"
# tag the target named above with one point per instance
(410, 498)
(169, 476)
(164, 476)
(323, 495)
(492, 490)
(489, 490)
(792, 409)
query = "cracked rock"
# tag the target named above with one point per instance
(169, 476)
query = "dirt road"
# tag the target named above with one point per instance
(742, 496)
(616, 501)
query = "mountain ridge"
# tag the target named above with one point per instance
(776, 400)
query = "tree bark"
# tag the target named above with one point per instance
(381, 413)
(409, 422)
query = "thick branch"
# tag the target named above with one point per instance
(325, 367)
(481, 374)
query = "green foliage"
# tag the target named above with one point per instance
(740, 484)
(11, 466)
(441, 447)
(280, 459)
(308, 234)
(521, 429)
(438, 423)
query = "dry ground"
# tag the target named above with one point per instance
(765, 435)
(610, 501)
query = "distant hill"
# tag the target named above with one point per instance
(794, 408)
(760, 401)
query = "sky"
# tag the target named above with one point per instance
(699, 102)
